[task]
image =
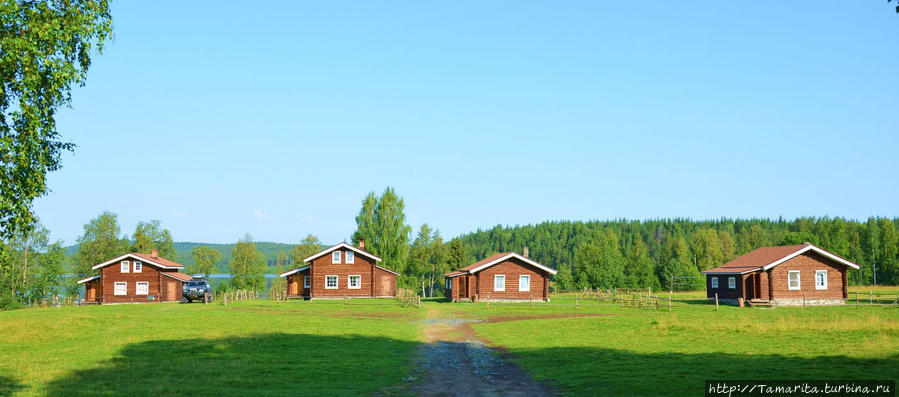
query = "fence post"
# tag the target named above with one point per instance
(803, 301)
(346, 301)
(488, 301)
(716, 301)
(856, 299)
(418, 301)
(669, 301)
(577, 305)
(871, 297)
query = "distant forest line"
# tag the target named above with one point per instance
(674, 251)
(652, 253)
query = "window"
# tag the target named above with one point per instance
(714, 282)
(449, 284)
(820, 279)
(306, 282)
(335, 257)
(138, 266)
(126, 265)
(793, 280)
(524, 283)
(350, 256)
(142, 288)
(732, 282)
(121, 288)
(499, 282)
(354, 282)
(330, 282)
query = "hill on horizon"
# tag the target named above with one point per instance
(183, 250)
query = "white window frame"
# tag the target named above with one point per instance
(146, 285)
(125, 266)
(731, 283)
(496, 280)
(138, 267)
(817, 285)
(350, 256)
(307, 282)
(525, 284)
(349, 281)
(715, 282)
(335, 257)
(336, 281)
(115, 288)
(798, 281)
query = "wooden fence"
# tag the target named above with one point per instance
(623, 297)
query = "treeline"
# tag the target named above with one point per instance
(671, 253)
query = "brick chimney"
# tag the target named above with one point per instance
(154, 253)
(525, 251)
(362, 244)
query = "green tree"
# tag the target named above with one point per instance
(99, 243)
(706, 249)
(247, 265)
(47, 275)
(149, 236)
(45, 48)
(308, 247)
(889, 250)
(205, 260)
(639, 272)
(279, 283)
(419, 262)
(382, 224)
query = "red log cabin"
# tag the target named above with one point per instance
(135, 278)
(341, 271)
(504, 276)
(784, 275)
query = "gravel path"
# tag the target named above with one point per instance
(456, 362)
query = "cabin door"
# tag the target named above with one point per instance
(385, 286)
(294, 287)
(91, 293)
(171, 290)
(750, 286)
(463, 286)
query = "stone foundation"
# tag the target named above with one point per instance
(809, 302)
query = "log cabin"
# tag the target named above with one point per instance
(135, 278)
(504, 276)
(789, 275)
(341, 271)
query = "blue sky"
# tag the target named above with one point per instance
(276, 119)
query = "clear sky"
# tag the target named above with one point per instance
(277, 118)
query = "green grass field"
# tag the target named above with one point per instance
(322, 348)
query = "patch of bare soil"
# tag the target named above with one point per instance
(456, 362)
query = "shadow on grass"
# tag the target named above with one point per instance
(8, 386)
(593, 371)
(266, 364)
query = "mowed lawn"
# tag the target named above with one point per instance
(246, 348)
(646, 352)
(322, 348)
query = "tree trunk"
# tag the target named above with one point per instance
(431, 282)
(25, 268)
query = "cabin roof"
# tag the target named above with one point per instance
(289, 272)
(157, 261)
(178, 276)
(338, 246)
(497, 258)
(765, 258)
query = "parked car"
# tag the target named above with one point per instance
(196, 289)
